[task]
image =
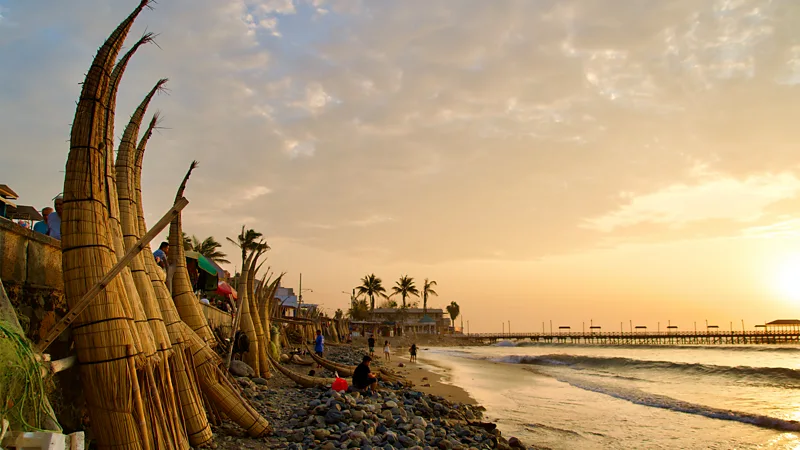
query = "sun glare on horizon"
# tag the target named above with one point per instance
(787, 278)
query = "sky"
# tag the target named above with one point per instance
(580, 161)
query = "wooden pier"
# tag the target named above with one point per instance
(711, 337)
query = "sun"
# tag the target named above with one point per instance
(787, 278)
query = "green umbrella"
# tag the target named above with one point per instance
(202, 262)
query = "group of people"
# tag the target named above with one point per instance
(363, 377)
(387, 350)
(50, 224)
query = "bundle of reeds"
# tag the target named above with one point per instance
(182, 292)
(213, 382)
(169, 383)
(265, 300)
(245, 319)
(103, 333)
(263, 364)
(181, 371)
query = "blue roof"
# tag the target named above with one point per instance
(289, 301)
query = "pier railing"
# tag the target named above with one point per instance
(648, 337)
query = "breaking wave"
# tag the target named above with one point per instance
(774, 376)
(664, 402)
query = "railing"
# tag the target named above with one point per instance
(633, 334)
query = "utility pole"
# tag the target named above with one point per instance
(468, 327)
(300, 296)
(504, 327)
(509, 327)
(551, 326)
(631, 326)
(743, 326)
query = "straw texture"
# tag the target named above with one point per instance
(246, 324)
(102, 333)
(181, 370)
(219, 391)
(263, 364)
(142, 334)
(129, 219)
(182, 293)
(164, 416)
(265, 302)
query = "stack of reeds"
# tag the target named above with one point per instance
(261, 337)
(246, 324)
(137, 357)
(221, 394)
(182, 291)
(106, 338)
(266, 294)
(198, 429)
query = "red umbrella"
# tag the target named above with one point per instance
(224, 288)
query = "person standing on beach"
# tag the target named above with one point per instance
(319, 345)
(413, 352)
(387, 354)
(371, 344)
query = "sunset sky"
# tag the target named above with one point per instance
(573, 160)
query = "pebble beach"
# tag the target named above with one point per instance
(429, 415)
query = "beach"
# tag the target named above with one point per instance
(433, 413)
(591, 397)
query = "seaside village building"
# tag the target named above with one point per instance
(390, 322)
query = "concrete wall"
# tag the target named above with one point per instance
(29, 257)
(30, 268)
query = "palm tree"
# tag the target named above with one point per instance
(338, 314)
(247, 240)
(454, 310)
(209, 247)
(405, 287)
(427, 289)
(359, 310)
(388, 303)
(187, 242)
(371, 286)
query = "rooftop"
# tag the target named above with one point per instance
(408, 310)
(7, 192)
(784, 322)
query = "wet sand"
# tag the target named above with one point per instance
(429, 378)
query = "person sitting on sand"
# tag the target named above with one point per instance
(371, 344)
(387, 354)
(413, 352)
(363, 378)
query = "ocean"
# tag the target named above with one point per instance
(591, 397)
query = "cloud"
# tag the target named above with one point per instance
(254, 192)
(714, 197)
(371, 220)
(484, 130)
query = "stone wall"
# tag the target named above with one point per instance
(30, 268)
